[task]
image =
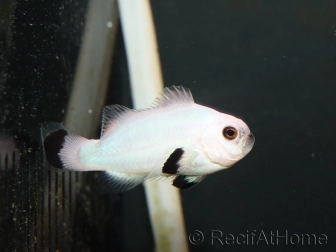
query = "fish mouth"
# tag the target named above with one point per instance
(248, 142)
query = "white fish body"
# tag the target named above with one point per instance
(175, 138)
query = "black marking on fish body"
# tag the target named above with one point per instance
(53, 145)
(182, 182)
(171, 165)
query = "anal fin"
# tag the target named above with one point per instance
(118, 182)
(187, 181)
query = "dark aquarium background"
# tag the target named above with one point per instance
(271, 63)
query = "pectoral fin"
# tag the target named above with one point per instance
(187, 181)
(171, 165)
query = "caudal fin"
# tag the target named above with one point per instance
(61, 147)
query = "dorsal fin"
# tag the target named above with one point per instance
(111, 114)
(170, 96)
(173, 95)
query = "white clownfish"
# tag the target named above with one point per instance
(174, 138)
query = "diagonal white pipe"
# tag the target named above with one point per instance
(163, 199)
(93, 68)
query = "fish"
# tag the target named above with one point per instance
(175, 139)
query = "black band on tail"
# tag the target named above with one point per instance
(52, 146)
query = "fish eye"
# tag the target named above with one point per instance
(230, 133)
